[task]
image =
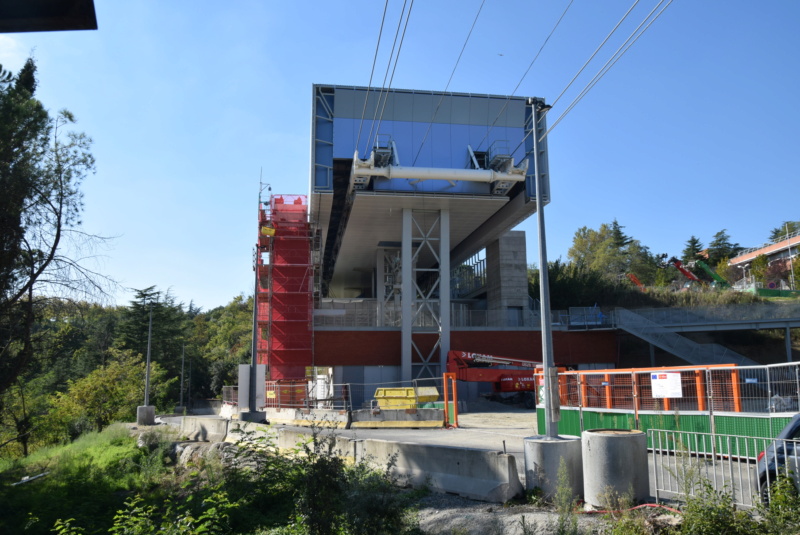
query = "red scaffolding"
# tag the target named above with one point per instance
(284, 299)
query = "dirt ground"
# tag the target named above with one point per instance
(491, 415)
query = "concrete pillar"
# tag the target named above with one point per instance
(614, 459)
(543, 457)
(507, 274)
(145, 415)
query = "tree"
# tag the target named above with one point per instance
(786, 228)
(758, 268)
(610, 252)
(228, 343)
(41, 168)
(692, 250)
(728, 272)
(721, 247)
(170, 325)
(619, 238)
(108, 394)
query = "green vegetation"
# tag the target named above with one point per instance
(574, 284)
(104, 483)
(87, 366)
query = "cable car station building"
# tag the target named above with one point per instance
(403, 248)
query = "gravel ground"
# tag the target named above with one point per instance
(449, 514)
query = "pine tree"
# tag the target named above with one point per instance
(692, 250)
(721, 247)
(787, 228)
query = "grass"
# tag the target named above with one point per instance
(105, 483)
(85, 480)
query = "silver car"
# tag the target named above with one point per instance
(781, 458)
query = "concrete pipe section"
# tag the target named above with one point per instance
(543, 457)
(614, 460)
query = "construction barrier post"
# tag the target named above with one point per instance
(451, 377)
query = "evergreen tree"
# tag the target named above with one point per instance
(692, 250)
(169, 334)
(620, 239)
(721, 247)
(787, 228)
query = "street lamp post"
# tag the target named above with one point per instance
(147, 368)
(146, 414)
(548, 365)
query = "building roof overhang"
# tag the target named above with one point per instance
(17, 16)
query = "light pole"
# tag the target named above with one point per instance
(147, 367)
(183, 365)
(146, 414)
(548, 369)
(544, 454)
(791, 264)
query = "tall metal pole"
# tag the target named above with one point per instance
(251, 397)
(183, 365)
(548, 370)
(147, 367)
(254, 358)
(791, 262)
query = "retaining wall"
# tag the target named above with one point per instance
(204, 428)
(308, 417)
(479, 475)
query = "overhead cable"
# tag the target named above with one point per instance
(625, 16)
(599, 75)
(396, 59)
(612, 61)
(372, 72)
(530, 66)
(430, 125)
(386, 74)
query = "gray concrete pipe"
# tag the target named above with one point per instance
(614, 460)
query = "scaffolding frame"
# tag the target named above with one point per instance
(285, 290)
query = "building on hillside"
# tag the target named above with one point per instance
(783, 251)
(403, 247)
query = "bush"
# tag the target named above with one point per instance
(711, 512)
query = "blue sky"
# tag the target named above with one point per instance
(694, 130)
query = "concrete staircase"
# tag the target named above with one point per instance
(680, 346)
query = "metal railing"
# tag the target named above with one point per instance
(230, 395)
(705, 315)
(371, 313)
(343, 397)
(307, 395)
(784, 237)
(689, 350)
(683, 461)
(710, 389)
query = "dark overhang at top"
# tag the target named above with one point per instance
(17, 16)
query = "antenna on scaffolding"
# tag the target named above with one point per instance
(261, 185)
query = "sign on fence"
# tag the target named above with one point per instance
(666, 385)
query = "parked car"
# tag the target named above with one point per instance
(781, 458)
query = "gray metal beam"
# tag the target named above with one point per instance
(406, 297)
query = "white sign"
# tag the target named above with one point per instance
(666, 385)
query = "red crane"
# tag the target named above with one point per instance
(477, 367)
(688, 274)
